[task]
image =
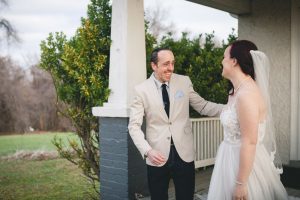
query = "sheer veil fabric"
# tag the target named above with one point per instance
(262, 70)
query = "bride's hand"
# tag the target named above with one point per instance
(240, 192)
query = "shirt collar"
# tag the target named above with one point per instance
(157, 82)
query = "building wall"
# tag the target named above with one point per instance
(269, 26)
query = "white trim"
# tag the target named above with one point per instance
(295, 75)
(110, 110)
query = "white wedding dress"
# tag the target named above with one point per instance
(264, 181)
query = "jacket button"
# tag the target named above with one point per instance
(168, 138)
(170, 123)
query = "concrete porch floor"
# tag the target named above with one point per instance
(202, 184)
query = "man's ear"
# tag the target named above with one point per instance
(154, 66)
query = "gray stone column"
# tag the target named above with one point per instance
(122, 169)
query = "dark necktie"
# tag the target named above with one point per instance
(166, 102)
(165, 98)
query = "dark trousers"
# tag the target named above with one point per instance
(182, 173)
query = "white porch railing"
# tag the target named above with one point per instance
(208, 134)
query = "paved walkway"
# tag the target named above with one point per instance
(202, 183)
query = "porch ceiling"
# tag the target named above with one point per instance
(238, 7)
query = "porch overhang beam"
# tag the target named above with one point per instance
(237, 7)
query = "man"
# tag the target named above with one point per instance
(164, 99)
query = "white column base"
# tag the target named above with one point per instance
(111, 110)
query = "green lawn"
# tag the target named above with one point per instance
(11, 143)
(39, 180)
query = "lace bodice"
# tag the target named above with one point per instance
(231, 126)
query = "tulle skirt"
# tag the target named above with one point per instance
(263, 183)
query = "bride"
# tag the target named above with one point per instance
(245, 162)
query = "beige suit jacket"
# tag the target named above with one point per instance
(159, 128)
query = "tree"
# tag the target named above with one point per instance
(151, 42)
(10, 34)
(12, 92)
(7, 33)
(156, 22)
(41, 104)
(27, 100)
(79, 68)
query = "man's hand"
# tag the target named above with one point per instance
(156, 157)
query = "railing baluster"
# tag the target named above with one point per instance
(208, 134)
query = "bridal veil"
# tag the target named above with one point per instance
(262, 75)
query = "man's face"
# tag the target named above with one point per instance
(165, 65)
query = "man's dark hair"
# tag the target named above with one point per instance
(154, 54)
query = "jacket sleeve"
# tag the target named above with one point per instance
(135, 123)
(201, 105)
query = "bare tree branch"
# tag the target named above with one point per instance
(10, 33)
(3, 2)
(157, 18)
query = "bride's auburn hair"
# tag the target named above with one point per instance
(240, 50)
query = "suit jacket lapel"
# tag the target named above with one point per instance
(157, 98)
(172, 87)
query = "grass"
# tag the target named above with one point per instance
(47, 179)
(11, 143)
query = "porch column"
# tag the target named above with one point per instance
(295, 83)
(122, 170)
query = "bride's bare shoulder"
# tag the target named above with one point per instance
(251, 97)
(250, 94)
(249, 90)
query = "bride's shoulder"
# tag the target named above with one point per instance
(250, 94)
(249, 90)
(250, 100)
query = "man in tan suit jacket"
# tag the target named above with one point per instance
(164, 100)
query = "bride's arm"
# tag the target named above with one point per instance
(248, 115)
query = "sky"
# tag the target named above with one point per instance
(35, 19)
